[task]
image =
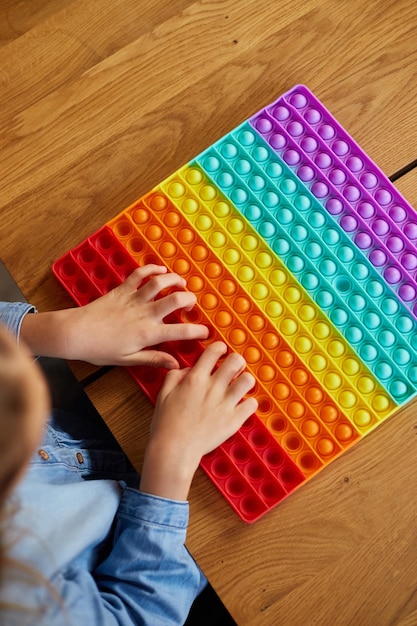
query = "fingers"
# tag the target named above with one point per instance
(245, 409)
(178, 332)
(135, 279)
(170, 303)
(172, 379)
(174, 301)
(209, 358)
(154, 358)
(237, 383)
(230, 368)
(240, 386)
(162, 281)
(158, 283)
(230, 374)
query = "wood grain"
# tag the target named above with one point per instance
(19, 17)
(100, 101)
(84, 149)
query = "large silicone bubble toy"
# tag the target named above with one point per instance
(303, 258)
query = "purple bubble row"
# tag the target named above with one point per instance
(337, 206)
(356, 160)
(353, 189)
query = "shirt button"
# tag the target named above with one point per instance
(43, 454)
(80, 458)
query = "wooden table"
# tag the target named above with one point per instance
(101, 100)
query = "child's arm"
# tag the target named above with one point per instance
(197, 409)
(149, 570)
(117, 328)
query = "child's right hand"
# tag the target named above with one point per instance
(197, 409)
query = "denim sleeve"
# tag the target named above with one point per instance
(12, 314)
(148, 577)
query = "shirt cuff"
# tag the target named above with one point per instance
(154, 509)
(12, 315)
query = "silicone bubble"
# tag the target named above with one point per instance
(67, 269)
(235, 487)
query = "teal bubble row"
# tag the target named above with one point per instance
(286, 214)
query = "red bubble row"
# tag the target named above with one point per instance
(251, 469)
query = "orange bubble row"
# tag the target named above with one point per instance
(144, 252)
(277, 352)
(228, 325)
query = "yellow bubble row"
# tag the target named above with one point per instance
(313, 434)
(281, 297)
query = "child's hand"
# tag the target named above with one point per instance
(117, 328)
(197, 409)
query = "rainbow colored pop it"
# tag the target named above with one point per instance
(303, 258)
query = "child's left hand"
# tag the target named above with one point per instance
(117, 328)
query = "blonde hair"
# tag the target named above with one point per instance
(13, 412)
(16, 447)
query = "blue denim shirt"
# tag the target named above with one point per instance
(109, 554)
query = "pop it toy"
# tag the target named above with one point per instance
(303, 258)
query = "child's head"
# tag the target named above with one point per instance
(24, 406)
